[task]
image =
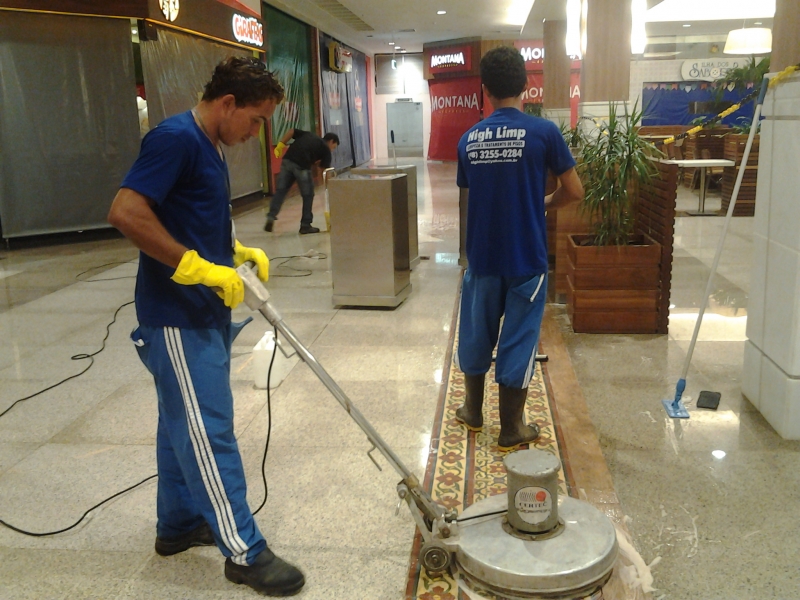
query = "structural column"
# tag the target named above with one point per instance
(771, 370)
(785, 41)
(606, 68)
(557, 67)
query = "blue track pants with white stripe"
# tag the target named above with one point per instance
(485, 301)
(200, 473)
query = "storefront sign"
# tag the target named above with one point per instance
(445, 60)
(170, 9)
(455, 107)
(222, 20)
(340, 58)
(248, 30)
(533, 53)
(709, 69)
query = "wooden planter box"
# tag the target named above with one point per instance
(614, 289)
(734, 150)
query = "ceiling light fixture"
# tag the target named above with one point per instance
(686, 25)
(391, 43)
(755, 40)
(638, 31)
(441, 12)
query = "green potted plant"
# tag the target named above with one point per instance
(566, 220)
(613, 275)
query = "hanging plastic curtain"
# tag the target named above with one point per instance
(358, 105)
(289, 57)
(335, 113)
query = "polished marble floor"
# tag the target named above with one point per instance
(714, 497)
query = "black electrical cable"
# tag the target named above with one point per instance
(128, 489)
(76, 523)
(91, 358)
(305, 272)
(491, 514)
(75, 357)
(269, 424)
(106, 265)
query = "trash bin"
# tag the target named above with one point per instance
(369, 240)
(411, 173)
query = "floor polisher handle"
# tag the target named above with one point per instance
(257, 298)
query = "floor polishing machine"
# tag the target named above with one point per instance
(529, 543)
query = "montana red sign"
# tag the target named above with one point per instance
(450, 60)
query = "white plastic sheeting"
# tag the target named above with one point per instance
(176, 68)
(69, 128)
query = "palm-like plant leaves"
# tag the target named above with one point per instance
(612, 165)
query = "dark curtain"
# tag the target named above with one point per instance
(335, 111)
(69, 127)
(289, 57)
(176, 68)
(357, 101)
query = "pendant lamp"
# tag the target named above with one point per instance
(753, 40)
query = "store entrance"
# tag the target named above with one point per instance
(405, 119)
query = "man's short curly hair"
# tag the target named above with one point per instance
(247, 79)
(503, 72)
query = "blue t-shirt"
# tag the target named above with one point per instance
(180, 170)
(504, 161)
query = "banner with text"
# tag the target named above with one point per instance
(455, 107)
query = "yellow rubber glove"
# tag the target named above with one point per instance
(224, 280)
(242, 254)
(279, 149)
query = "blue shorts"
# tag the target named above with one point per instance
(518, 302)
(200, 472)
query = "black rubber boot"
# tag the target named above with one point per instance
(471, 412)
(269, 224)
(199, 536)
(513, 430)
(268, 575)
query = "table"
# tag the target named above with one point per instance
(702, 164)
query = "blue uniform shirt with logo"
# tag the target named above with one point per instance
(504, 161)
(179, 169)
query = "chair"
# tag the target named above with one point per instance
(712, 173)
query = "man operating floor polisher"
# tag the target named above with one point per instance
(174, 205)
(527, 544)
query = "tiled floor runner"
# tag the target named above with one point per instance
(465, 467)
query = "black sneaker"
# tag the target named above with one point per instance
(268, 225)
(268, 575)
(308, 229)
(199, 536)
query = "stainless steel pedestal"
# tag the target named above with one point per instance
(369, 240)
(411, 172)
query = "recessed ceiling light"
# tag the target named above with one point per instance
(757, 23)
(686, 25)
(391, 43)
(441, 12)
(402, 51)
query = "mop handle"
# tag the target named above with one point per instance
(257, 298)
(734, 197)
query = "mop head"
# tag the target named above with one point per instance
(675, 408)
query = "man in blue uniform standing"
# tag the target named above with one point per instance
(174, 205)
(504, 161)
(305, 154)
